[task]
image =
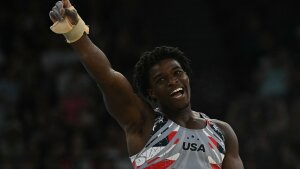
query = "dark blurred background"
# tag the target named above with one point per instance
(246, 71)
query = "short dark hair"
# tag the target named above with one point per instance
(149, 59)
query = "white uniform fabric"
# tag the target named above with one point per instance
(174, 147)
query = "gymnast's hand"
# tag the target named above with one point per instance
(64, 16)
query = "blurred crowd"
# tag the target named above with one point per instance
(52, 114)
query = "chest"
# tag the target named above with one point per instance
(181, 147)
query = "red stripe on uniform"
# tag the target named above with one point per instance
(213, 141)
(162, 164)
(171, 135)
(215, 166)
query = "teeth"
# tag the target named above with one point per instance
(177, 90)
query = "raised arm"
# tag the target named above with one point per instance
(121, 101)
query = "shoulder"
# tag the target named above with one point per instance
(226, 129)
(223, 127)
(222, 124)
(214, 125)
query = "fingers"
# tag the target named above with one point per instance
(60, 8)
(53, 17)
(66, 3)
(57, 13)
(60, 11)
(59, 4)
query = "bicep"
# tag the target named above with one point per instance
(232, 162)
(122, 102)
(232, 159)
(120, 99)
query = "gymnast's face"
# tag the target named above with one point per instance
(169, 85)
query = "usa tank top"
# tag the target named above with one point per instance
(174, 147)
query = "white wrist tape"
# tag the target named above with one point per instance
(71, 32)
(61, 27)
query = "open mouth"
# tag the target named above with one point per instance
(177, 93)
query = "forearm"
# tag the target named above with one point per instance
(94, 60)
(67, 22)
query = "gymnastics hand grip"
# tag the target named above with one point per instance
(62, 26)
(71, 32)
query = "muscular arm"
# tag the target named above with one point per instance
(232, 158)
(121, 101)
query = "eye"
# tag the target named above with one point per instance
(178, 72)
(160, 80)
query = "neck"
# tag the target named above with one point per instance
(180, 116)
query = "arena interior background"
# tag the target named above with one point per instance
(246, 71)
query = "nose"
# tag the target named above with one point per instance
(172, 80)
